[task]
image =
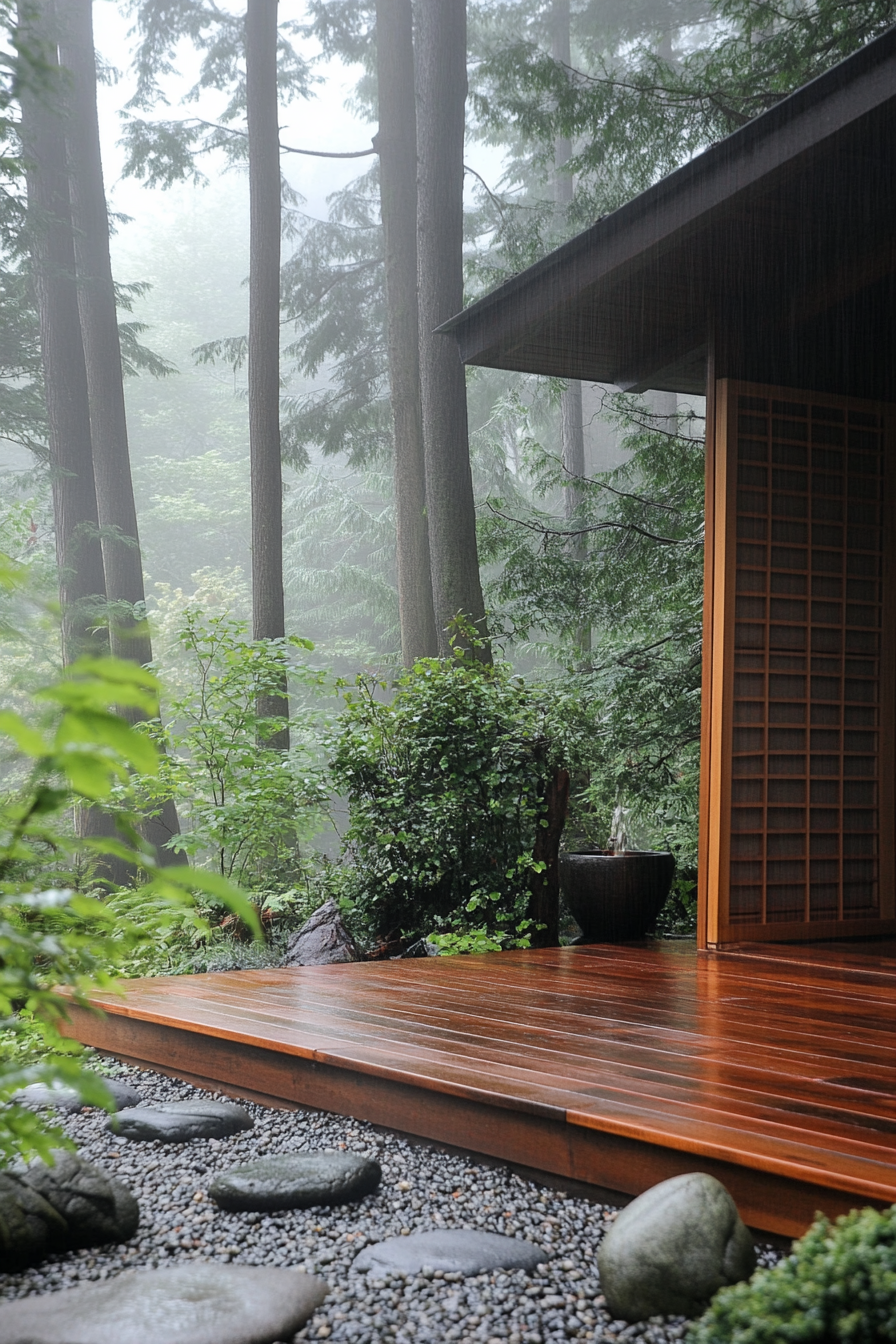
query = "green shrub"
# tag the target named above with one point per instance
(245, 808)
(839, 1283)
(445, 784)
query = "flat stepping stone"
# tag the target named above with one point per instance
(67, 1099)
(180, 1121)
(464, 1252)
(192, 1304)
(295, 1181)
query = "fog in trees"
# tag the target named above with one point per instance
(235, 447)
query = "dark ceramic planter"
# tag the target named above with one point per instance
(616, 898)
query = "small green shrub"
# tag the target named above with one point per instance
(445, 783)
(838, 1284)
(245, 808)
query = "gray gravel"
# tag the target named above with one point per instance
(422, 1189)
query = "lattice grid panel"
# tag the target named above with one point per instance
(805, 821)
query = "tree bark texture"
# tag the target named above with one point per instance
(544, 887)
(78, 551)
(79, 556)
(396, 144)
(441, 48)
(264, 341)
(122, 560)
(99, 331)
(572, 434)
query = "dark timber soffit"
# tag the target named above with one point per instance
(763, 219)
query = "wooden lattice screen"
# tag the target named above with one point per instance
(802, 670)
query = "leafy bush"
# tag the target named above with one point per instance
(839, 1283)
(244, 808)
(72, 750)
(445, 784)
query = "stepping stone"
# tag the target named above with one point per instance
(673, 1248)
(465, 1252)
(295, 1181)
(179, 1121)
(67, 1099)
(192, 1304)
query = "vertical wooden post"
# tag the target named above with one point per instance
(706, 677)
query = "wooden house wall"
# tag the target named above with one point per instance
(797, 809)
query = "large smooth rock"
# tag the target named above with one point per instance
(673, 1248)
(30, 1228)
(465, 1252)
(295, 1181)
(96, 1207)
(192, 1304)
(179, 1121)
(322, 940)
(67, 1099)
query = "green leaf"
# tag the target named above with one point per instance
(192, 879)
(12, 575)
(27, 739)
(88, 775)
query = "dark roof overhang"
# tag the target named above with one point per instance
(787, 218)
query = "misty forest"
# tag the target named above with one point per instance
(294, 608)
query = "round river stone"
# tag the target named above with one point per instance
(295, 1181)
(179, 1121)
(465, 1252)
(192, 1304)
(673, 1248)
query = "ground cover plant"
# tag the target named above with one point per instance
(838, 1284)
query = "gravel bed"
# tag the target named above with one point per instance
(422, 1189)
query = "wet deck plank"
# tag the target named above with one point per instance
(613, 1065)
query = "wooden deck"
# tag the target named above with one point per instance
(774, 1069)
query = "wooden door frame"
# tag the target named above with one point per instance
(713, 927)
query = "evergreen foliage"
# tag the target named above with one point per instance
(649, 87)
(838, 1284)
(165, 150)
(640, 591)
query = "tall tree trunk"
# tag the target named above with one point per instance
(441, 95)
(78, 551)
(99, 330)
(572, 436)
(122, 561)
(79, 554)
(396, 144)
(264, 342)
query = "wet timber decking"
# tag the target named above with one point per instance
(774, 1069)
